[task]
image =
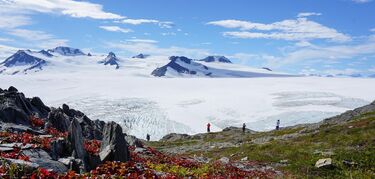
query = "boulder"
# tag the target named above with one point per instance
(16, 108)
(75, 139)
(114, 147)
(324, 163)
(39, 105)
(237, 129)
(224, 160)
(58, 149)
(12, 89)
(133, 141)
(37, 153)
(59, 120)
(174, 136)
(50, 164)
(90, 129)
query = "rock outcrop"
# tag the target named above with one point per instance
(16, 108)
(75, 138)
(348, 115)
(114, 147)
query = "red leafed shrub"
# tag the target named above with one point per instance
(15, 154)
(92, 146)
(55, 133)
(36, 122)
(42, 173)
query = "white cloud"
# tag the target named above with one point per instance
(5, 39)
(347, 71)
(372, 30)
(6, 51)
(361, 1)
(142, 41)
(13, 20)
(168, 34)
(300, 29)
(115, 29)
(154, 49)
(76, 9)
(40, 39)
(161, 24)
(323, 54)
(307, 14)
(138, 21)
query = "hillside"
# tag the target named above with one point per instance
(348, 139)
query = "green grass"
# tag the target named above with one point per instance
(352, 141)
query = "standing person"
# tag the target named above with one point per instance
(278, 125)
(243, 127)
(148, 137)
(208, 127)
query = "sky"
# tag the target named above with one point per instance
(294, 36)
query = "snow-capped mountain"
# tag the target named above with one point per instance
(185, 67)
(67, 51)
(72, 60)
(221, 59)
(141, 56)
(22, 61)
(181, 66)
(111, 59)
(46, 53)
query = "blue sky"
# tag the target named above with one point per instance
(296, 36)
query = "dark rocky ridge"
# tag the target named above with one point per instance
(17, 112)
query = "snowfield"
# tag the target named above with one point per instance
(184, 105)
(180, 102)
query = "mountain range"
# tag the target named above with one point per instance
(67, 59)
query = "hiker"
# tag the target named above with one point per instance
(243, 127)
(208, 127)
(278, 125)
(148, 137)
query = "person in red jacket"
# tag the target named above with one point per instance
(208, 127)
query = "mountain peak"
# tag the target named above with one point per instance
(141, 56)
(182, 66)
(22, 58)
(66, 51)
(216, 58)
(111, 59)
(111, 54)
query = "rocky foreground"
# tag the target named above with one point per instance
(37, 141)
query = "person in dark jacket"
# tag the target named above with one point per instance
(208, 127)
(148, 137)
(243, 127)
(278, 125)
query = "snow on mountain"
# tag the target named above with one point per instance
(179, 66)
(141, 56)
(221, 59)
(22, 61)
(66, 51)
(111, 59)
(46, 53)
(185, 67)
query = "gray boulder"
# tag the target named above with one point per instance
(50, 164)
(59, 120)
(174, 137)
(114, 147)
(76, 142)
(324, 163)
(133, 141)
